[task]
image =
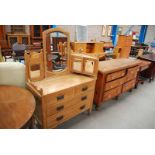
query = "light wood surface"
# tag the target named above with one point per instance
(116, 64)
(16, 107)
(57, 83)
(87, 47)
(124, 45)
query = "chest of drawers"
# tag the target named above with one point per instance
(62, 98)
(115, 77)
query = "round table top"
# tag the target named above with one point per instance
(16, 107)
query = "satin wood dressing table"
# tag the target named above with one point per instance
(60, 92)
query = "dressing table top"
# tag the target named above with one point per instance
(58, 83)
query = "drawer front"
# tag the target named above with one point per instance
(80, 47)
(79, 104)
(85, 87)
(115, 83)
(59, 97)
(112, 93)
(115, 75)
(131, 77)
(129, 85)
(132, 73)
(133, 70)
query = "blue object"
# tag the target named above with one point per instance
(114, 34)
(153, 44)
(142, 35)
(53, 26)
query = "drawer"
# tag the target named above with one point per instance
(85, 87)
(115, 75)
(59, 97)
(129, 85)
(112, 93)
(131, 77)
(115, 83)
(80, 47)
(132, 73)
(59, 107)
(80, 99)
(133, 70)
(78, 107)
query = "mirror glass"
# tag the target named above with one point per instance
(57, 51)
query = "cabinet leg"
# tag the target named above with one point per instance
(136, 86)
(130, 90)
(96, 107)
(117, 97)
(89, 111)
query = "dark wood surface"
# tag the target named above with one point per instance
(150, 72)
(16, 107)
(150, 57)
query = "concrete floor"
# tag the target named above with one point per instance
(133, 110)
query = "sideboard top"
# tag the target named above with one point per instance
(117, 64)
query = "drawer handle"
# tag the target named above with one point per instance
(60, 107)
(60, 97)
(83, 98)
(84, 88)
(60, 118)
(82, 107)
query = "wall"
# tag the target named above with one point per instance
(150, 34)
(94, 32)
(125, 28)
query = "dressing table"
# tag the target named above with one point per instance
(61, 91)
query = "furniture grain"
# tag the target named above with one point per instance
(16, 107)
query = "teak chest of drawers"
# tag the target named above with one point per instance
(62, 98)
(115, 77)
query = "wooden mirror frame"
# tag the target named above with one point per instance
(45, 34)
